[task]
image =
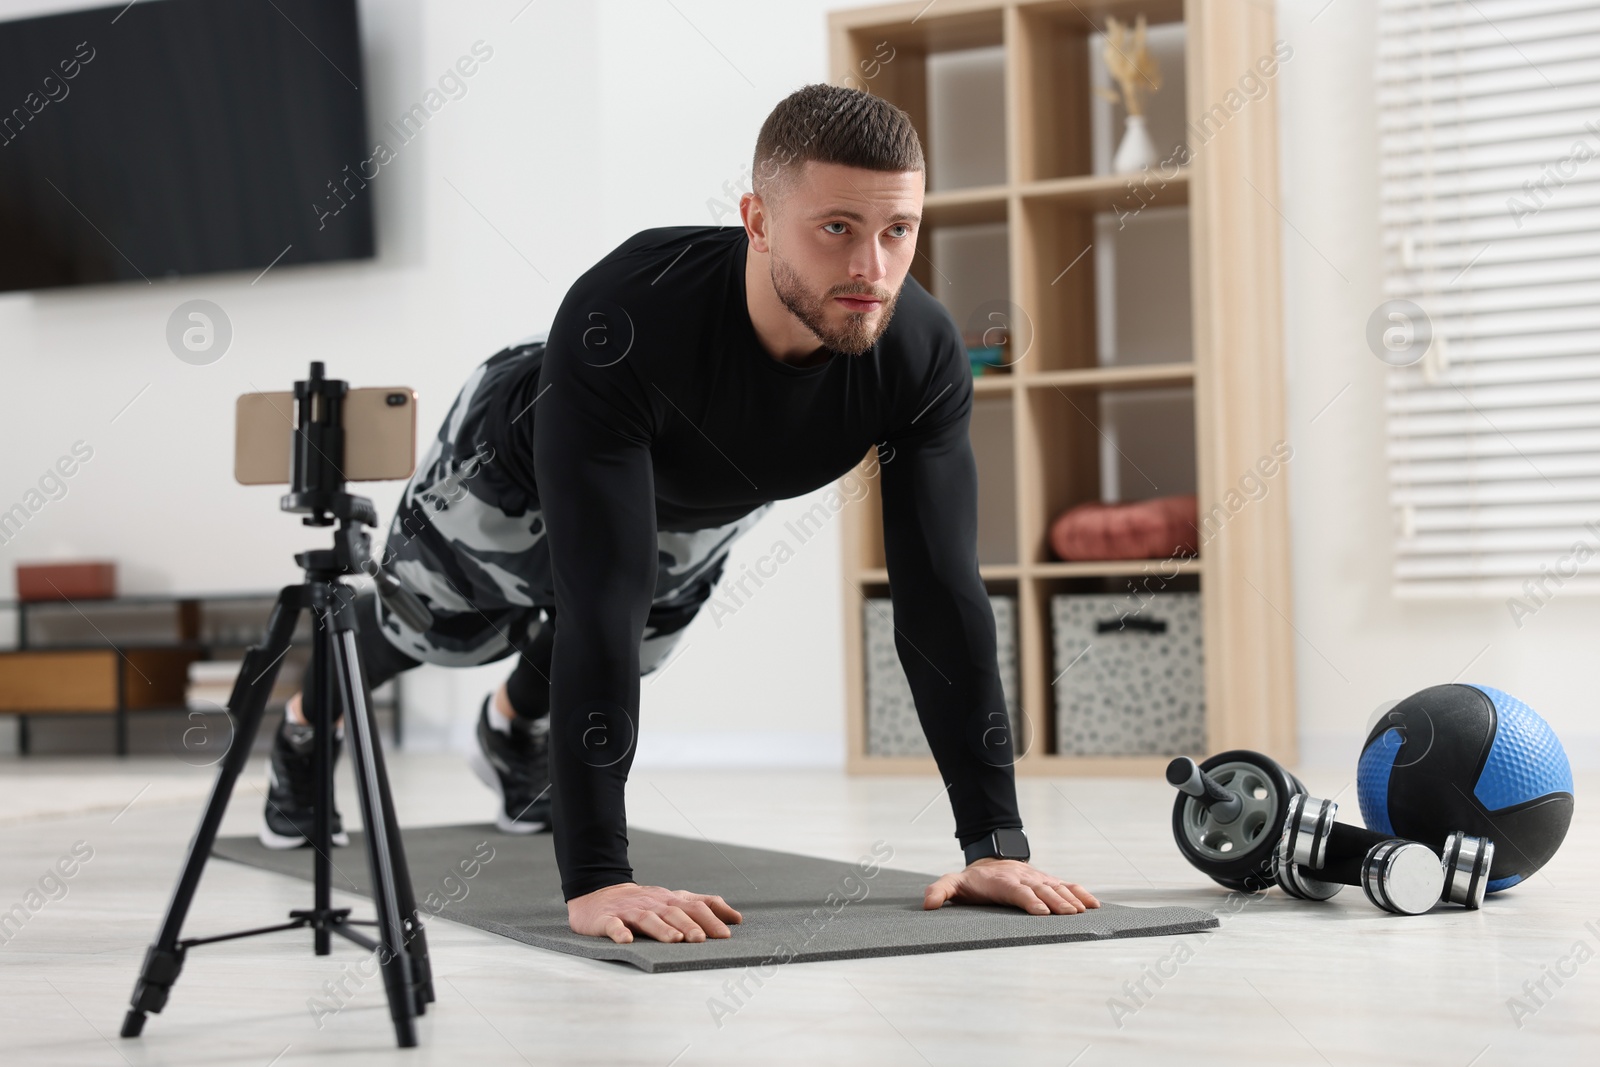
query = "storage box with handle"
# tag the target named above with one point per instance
(1129, 674)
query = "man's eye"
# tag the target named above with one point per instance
(827, 224)
(903, 226)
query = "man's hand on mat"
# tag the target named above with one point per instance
(664, 914)
(996, 881)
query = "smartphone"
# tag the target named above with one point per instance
(380, 436)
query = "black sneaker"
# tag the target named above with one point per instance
(290, 816)
(516, 765)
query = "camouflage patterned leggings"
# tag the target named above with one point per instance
(471, 544)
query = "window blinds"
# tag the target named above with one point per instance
(1489, 118)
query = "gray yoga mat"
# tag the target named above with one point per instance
(795, 907)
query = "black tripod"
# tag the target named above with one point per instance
(317, 489)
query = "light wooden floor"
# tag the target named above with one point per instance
(1282, 982)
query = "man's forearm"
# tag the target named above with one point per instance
(588, 817)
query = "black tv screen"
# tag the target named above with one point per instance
(176, 137)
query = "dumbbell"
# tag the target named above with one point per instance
(1318, 856)
(1228, 815)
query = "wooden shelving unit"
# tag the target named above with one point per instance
(1048, 205)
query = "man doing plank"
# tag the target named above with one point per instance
(597, 476)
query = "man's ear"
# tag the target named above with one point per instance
(753, 210)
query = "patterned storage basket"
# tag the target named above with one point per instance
(893, 728)
(1129, 680)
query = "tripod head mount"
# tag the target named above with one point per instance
(317, 490)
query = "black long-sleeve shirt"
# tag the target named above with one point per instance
(658, 408)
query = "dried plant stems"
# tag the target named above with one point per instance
(1132, 66)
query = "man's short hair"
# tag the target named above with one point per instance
(832, 124)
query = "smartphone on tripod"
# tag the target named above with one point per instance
(380, 435)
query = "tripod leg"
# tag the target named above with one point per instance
(416, 937)
(164, 959)
(319, 705)
(393, 955)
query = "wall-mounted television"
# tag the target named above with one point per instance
(176, 137)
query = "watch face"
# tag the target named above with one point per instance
(1013, 844)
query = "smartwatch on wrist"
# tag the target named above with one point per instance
(1007, 844)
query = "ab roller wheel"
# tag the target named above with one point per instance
(1228, 820)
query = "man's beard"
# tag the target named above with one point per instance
(855, 336)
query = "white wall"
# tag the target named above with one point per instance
(1359, 645)
(590, 121)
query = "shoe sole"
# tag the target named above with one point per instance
(491, 778)
(274, 840)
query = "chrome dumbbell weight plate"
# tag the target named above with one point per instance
(1308, 826)
(1466, 863)
(1302, 822)
(1404, 877)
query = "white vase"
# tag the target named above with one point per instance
(1137, 151)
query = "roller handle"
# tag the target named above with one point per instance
(1185, 775)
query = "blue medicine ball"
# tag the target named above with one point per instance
(1470, 758)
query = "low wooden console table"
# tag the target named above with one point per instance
(67, 663)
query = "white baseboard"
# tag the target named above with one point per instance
(740, 748)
